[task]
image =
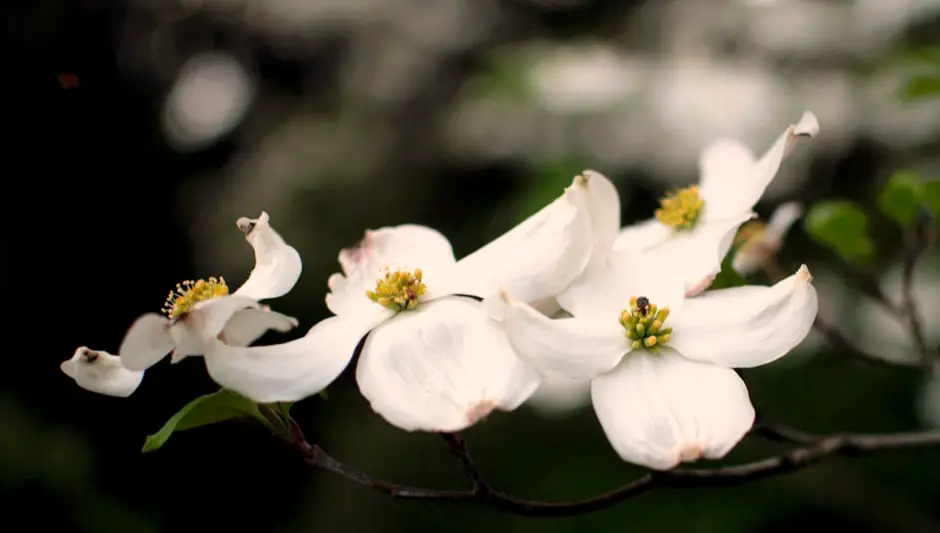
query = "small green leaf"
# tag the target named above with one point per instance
(323, 394)
(283, 409)
(930, 197)
(842, 226)
(204, 410)
(900, 198)
(921, 86)
(728, 277)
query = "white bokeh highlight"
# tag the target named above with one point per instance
(210, 97)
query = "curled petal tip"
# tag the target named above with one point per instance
(247, 225)
(803, 274)
(808, 126)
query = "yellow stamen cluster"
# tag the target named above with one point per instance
(189, 293)
(680, 209)
(399, 290)
(644, 324)
(749, 235)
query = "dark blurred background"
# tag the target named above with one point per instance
(142, 129)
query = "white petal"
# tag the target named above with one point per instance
(769, 164)
(291, 371)
(407, 246)
(146, 342)
(604, 205)
(726, 169)
(205, 322)
(642, 235)
(658, 411)
(101, 372)
(210, 317)
(754, 253)
(733, 182)
(441, 368)
(746, 326)
(575, 348)
(698, 252)
(277, 264)
(247, 325)
(539, 257)
(604, 288)
(782, 218)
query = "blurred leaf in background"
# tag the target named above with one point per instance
(841, 226)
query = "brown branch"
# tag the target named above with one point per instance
(458, 448)
(842, 343)
(915, 245)
(812, 449)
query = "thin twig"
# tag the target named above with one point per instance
(839, 341)
(814, 449)
(915, 245)
(458, 448)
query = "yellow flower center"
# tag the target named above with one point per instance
(749, 235)
(398, 290)
(189, 293)
(680, 209)
(644, 324)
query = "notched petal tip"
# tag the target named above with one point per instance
(101, 372)
(807, 127)
(480, 411)
(247, 225)
(803, 274)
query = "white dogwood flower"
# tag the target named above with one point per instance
(662, 383)
(101, 372)
(697, 224)
(430, 359)
(758, 243)
(204, 309)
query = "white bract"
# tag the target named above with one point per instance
(101, 372)
(759, 243)
(430, 359)
(203, 310)
(660, 365)
(697, 224)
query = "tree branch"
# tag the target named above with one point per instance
(838, 340)
(812, 449)
(458, 447)
(916, 244)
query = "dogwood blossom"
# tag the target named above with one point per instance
(101, 372)
(660, 365)
(758, 243)
(698, 223)
(430, 359)
(204, 309)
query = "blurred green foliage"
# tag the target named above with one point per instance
(841, 226)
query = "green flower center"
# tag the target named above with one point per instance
(644, 324)
(398, 290)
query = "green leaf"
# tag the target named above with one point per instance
(204, 410)
(728, 277)
(323, 394)
(929, 197)
(921, 86)
(841, 226)
(283, 409)
(900, 198)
